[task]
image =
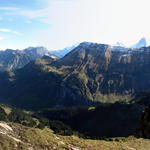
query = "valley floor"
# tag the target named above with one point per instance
(18, 137)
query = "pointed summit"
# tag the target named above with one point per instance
(141, 43)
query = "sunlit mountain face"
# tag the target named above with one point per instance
(90, 73)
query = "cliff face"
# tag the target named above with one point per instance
(12, 59)
(110, 70)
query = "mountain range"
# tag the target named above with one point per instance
(11, 60)
(91, 73)
(95, 91)
(141, 43)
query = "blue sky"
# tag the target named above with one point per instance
(56, 24)
(16, 29)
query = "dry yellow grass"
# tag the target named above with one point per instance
(36, 139)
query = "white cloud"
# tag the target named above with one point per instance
(2, 38)
(29, 21)
(40, 13)
(102, 21)
(9, 8)
(33, 14)
(9, 31)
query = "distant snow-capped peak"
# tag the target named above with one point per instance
(119, 44)
(141, 43)
(62, 52)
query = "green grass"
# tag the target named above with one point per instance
(91, 108)
(7, 109)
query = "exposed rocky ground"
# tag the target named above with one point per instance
(17, 137)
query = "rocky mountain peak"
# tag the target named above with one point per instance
(141, 43)
(11, 60)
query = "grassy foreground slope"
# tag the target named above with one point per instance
(15, 136)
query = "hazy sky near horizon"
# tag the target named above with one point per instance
(56, 24)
